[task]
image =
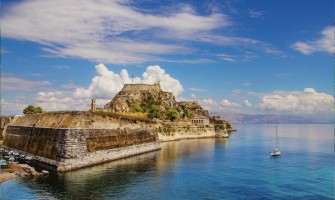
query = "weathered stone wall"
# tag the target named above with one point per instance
(186, 130)
(45, 142)
(134, 88)
(72, 147)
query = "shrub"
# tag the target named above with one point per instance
(136, 108)
(172, 114)
(154, 112)
(31, 110)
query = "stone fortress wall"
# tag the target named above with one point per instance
(73, 140)
(136, 88)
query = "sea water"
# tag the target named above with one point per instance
(214, 168)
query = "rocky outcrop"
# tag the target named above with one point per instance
(140, 94)
(192, 109)
(145, 96)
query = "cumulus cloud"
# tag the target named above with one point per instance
(11, 108)
(227, 103)
(103, 87)
(308, 101)
(223, 105)
(60, 100)
(108, 83)
(247, 103)
(323, 44)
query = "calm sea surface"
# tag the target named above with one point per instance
(236, 168)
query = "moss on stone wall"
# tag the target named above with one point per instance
(38, 141)
(110, 139)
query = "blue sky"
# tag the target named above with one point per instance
(234, 56)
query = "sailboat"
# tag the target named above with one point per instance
(276, 151)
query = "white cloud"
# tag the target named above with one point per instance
(255, 13)
(19, 84)
(251, 44)
(193, 96)
(223, 105)
(226, 57)
(323, 44)
(11, 108)
(120, 32)
(103, 87)
(104, 31)
(247, 103)
(197, 89)
(227, 103)
(60, 100)
(308, 101)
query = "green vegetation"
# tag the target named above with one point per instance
(31, 110)
(172, 114)
(184, 112)
(154, 112)
(136, 108)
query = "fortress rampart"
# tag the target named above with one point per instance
(73, 147)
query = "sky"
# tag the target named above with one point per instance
(232, 56)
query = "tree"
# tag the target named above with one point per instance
(154, 112)
(31, 110)
(172, 114)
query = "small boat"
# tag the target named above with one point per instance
(276, 151)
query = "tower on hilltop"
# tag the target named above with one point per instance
(93, 105)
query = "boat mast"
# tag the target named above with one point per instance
(277, 139)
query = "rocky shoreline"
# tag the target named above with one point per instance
(19, 170)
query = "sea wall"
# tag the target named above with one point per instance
(105, 138)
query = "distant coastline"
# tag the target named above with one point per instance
(235, 118)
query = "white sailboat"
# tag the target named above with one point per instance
(276, 151)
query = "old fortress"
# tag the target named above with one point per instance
(68, 140)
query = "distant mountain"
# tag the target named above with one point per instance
(269, 119)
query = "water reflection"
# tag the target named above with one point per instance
(114, 178)
(235, 168)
